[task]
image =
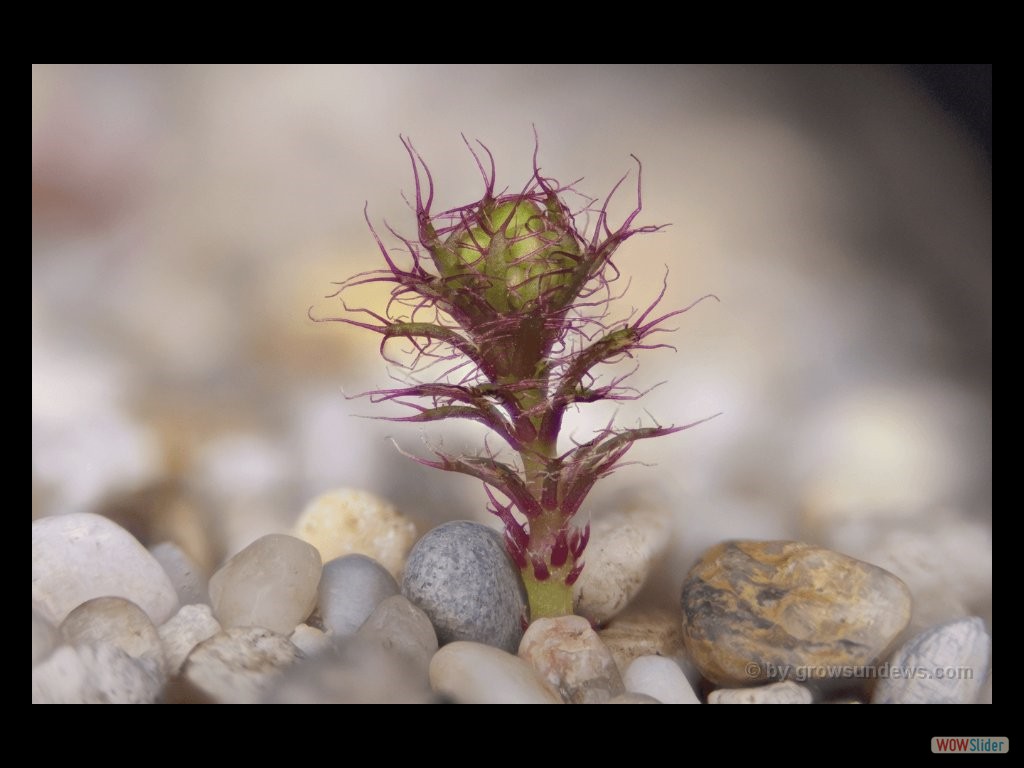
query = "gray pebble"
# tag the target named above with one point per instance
(351, 587)
(398, 625)
(462, 577)
(944, 665)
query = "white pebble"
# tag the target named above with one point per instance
(623, 548)
(90, 674)
(239, 665)
(189, 582)
(120, 623)
(944, 665)
(786, 692)
(474, 673)
(661, 678)
(45, 637)
(80, 556)
(347, 521)
(184, 631)
(567, 653)
(271, 583)
(309, 640)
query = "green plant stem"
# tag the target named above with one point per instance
(551, 596)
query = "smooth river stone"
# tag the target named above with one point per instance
(461, 576)
(623, 548)
(660, 678)
(351, 587)
(79, 556)
(272, 583)
(398, 625)
(567, 653)
(347, 521)
(120, 623)
(473, 673)
(947, 664)
(761, 611)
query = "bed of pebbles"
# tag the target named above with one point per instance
(757, 621)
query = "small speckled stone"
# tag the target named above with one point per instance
(350, 588)
(623, 548)
(188, 628)
(45, 637)
(757, 610)
(309, 640)
(120, 623)
(189, 582)
(661, 678)
(473, 673)
(93, 674)
(567, 653)
(647, 632)
(944, 665)
(463, 579)
(786, 692)
(271, 583)
(239, 665)
(632, 698)
(80, 556)
(347, 521)
(398, 625)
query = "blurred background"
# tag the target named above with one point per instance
(185, 218)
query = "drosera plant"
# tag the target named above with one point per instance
(506, 303)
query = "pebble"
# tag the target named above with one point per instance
(947, 664)
(190, 626)
(351, 670)
(351, 587)
(567, 653)
(93, 674)
(786, 692)
(45, 637)
(474, 673)
(398, 625)
(461, 576)
(309, 640)
(632, 698)
(271, 583)
(239, 665)
(944, 559)
(646, 632)
(189, 583)
(79, 556)
(347, 521)
(757, 611)
(120, 623)
(623, 548)
(659, 678)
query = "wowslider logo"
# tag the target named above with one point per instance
(975, 744)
